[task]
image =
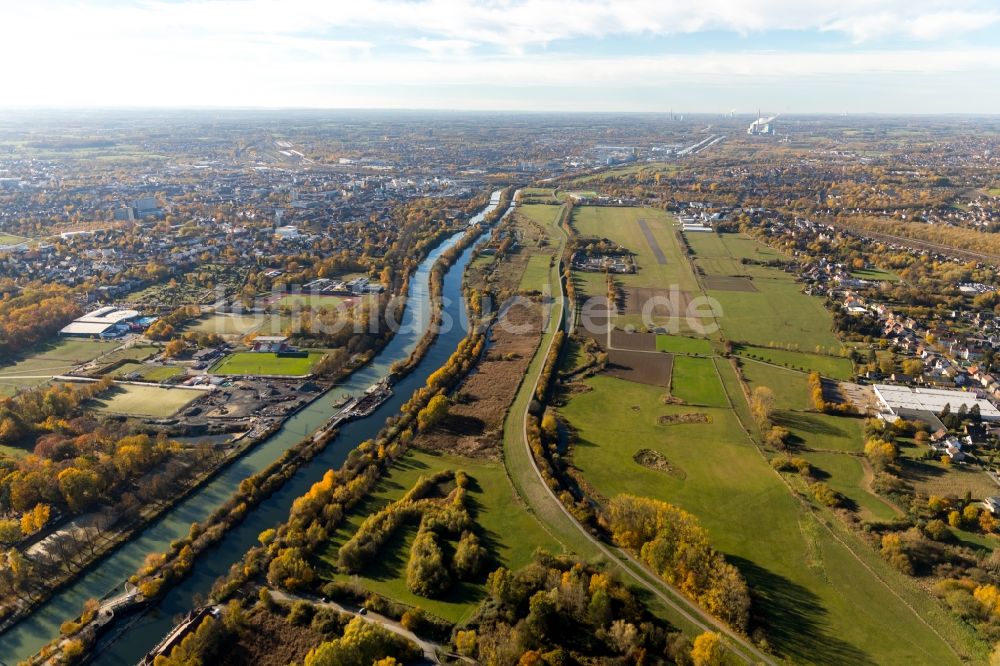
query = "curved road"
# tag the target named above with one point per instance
(546, 505)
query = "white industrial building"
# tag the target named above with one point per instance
(106, 322)
(894, 398)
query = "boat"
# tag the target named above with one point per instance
(342, 400)
(374, 396)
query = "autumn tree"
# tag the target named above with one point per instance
(433, 413)
(174, 348)
(708, 650)
(762, 406)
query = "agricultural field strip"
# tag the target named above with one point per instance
(812, 511)
(638, 571)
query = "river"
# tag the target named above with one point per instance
(28, 636)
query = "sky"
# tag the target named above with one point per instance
(784, 56)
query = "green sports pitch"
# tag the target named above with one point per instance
(262, 363)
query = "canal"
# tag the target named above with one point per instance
(127, 647)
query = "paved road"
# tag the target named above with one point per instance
(654, 245)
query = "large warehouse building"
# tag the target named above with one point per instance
(106, 322)
(917, 399)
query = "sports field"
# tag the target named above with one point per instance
(819, 605)
(149, 373)
(56, 358)
(253, 363)
(315, 301)
(149, 401)
(227, 324)
(509, 532)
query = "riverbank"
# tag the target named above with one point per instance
(421, 298)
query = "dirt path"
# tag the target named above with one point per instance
(869, 481)
(429, 648)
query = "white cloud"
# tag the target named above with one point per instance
(309, 52)
(515, 24)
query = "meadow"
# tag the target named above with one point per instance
(847, 475)
(254, 363)
(536, 274)
(876, 274)
(791, 388)
(621, 225)
(770, 307)
(678, 344)
(317, 301)
(816, 602)
(778, 313)
(509, 532)
(834, 367)
(695, 381)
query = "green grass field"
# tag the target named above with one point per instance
(312, 300)
(150, 373)
(777, 313)
(546, 216)
(846, 475)
(10, 239)
(46, 361)
(834, 367)
(817, 603)
(621, 225)
(508, 530)
(536, 274)
(131, 353)
(149, 401)
(791, 388)
(876, 274)
(225, 324)
(694, 380)
(720, 254)
(530, 195)
(683, 345)
(253, 363)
